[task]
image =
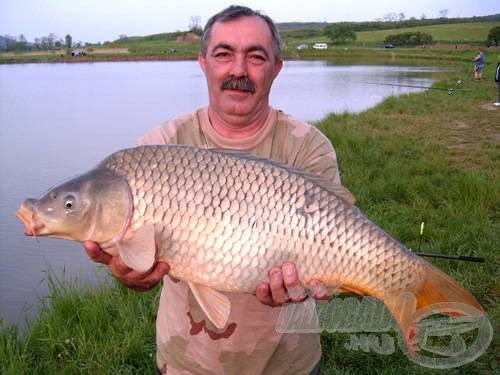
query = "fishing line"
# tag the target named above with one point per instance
(450, 90)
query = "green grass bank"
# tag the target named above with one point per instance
(430, 157)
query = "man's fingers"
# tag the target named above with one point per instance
(95, 253)
(295, 291)
(276, 286)
(319, 290)
(138, 281)
(263, 294)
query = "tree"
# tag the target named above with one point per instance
(443, 13)
(493, 37)
(340, 32)
(195, 25)
(22, 42)
(68, 40)
(393, 17)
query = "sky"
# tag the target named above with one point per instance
(105, 20)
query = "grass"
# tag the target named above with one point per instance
(429, 157)
(468, 32)
(106, 330)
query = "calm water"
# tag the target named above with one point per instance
(58, 120)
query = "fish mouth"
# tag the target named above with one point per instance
(33, 226)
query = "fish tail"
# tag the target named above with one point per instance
(439, 287)
(439, 294)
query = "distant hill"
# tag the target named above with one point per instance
(301, 25)
(385, 25)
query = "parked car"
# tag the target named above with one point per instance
(320, 46)
(302, 46)
(388, 45)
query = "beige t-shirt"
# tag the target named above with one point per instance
(187, 342)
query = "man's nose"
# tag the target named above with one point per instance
(239, 67)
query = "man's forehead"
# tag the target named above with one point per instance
(247, 28)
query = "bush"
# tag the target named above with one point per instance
(409, 39)
(493, 37)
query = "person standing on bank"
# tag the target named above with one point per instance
(240, 57)
(479, 65)
(497, 80)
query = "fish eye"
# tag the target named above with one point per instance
(69, 202)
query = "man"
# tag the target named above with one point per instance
(479, 65)
(240, 57)
(497, 80)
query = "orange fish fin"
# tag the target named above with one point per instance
(402, 308)
(214, 304)
(349, 289)
(139, 252)
(439, 287)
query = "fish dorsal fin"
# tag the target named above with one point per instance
(139, 252)
(327, 184)
(214, 304)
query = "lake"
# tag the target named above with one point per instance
(58, 120)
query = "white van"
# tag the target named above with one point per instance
(320, 46)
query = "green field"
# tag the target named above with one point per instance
(468, 33)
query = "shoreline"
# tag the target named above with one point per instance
(345, 55)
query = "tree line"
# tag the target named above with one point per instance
(45, 43)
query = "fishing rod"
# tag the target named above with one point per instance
(450, 90)
(444, 256)
(456, 257)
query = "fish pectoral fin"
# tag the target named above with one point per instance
(214, 304)
(139, 252)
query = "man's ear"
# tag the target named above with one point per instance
(277, 68)
(202, 61)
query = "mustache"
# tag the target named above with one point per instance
(241, 84)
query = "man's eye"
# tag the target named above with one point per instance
(257, 58)
(222, 55)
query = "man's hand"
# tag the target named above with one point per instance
(284, 286)
(140, 282)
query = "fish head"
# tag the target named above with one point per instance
(95, 206)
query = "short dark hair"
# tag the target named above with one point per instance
(235, 12)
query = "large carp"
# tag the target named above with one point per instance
(223, 219)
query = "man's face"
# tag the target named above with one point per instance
(240, 67)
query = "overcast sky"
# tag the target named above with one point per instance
(105, 20)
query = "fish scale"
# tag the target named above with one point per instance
(320, 238)
(223, 219)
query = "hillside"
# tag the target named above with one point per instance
(465, 32)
